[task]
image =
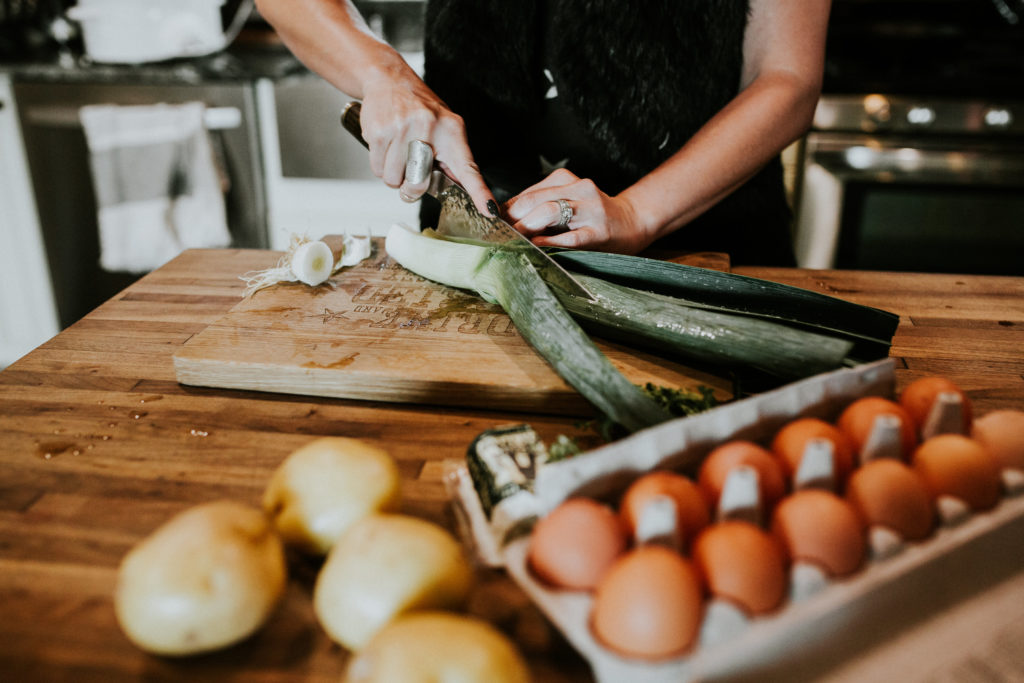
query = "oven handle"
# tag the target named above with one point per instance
(215, 118)
(894, 163)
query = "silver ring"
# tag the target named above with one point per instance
(419, 162)
(565, 213)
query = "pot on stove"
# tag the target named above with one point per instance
(139, 31)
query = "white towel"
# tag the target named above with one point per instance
(156, 182)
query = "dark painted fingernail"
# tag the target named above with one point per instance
(492, 207)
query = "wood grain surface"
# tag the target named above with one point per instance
(377, 331)
(99, 444)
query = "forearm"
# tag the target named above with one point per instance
(773, 111)
(332, 39)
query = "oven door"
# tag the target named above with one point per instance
(912, 204)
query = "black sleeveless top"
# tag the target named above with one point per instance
(633, 82)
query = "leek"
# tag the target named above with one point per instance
(871, 328)
(508, 279)
(708, 336)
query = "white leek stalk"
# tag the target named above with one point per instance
(312, 263)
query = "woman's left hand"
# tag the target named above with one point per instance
(599, 221)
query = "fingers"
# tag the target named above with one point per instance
(399, 153)
(457, 161)
(418, 165)
(566, 240)
(547, 215)
(539, 206)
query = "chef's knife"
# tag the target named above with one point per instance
(460, 218)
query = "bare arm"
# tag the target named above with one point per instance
(332, 39)
(781, 81)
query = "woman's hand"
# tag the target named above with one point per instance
(398, 109)
(599, 221)
(332, 39)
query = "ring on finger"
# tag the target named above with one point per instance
(565, 213)
(419, 162)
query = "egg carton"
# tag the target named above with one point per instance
(823, 621)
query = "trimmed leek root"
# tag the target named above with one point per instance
(510, 280)
(312, 263)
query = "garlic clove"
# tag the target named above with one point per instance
(356, 249)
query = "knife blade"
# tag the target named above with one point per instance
(460, 218)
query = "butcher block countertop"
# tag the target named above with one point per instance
(99, 445)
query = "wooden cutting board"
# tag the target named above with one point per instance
(376, 331)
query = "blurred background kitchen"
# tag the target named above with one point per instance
(118, 117)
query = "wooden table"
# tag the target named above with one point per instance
(99, 445)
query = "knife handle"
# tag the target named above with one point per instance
(350, 120)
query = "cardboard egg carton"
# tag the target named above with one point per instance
(824, 621)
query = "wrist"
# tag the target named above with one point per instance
(646, 221)
(382, 68)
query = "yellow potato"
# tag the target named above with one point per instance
(207, 578)
(325, 486)
(436, 647)
(385, 565)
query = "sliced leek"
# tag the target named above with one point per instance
(704, 335)
(312, 263)
(510, 280)
(737, 293)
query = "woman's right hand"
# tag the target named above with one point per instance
(332, 39)
(400, 108)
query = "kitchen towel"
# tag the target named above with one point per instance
(156, 181)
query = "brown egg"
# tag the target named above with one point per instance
(819, 527)
(919, 396)
(743, 564)
(791, 441)
(954, 465)
(576, 543)
(1002, 433)
(722, 460)
(887, 493)
(691, 508)
(648, 605)
(859, 418)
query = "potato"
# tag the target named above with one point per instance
(207, 578)
(385, 565)
(437, 647)
(323, 487)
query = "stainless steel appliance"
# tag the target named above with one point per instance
(903, 183)
(58, 160)
(915, 159)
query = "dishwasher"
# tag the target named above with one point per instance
(58, 159)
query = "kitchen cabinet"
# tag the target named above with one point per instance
(28, 316)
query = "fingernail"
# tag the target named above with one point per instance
(492, 207)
